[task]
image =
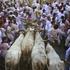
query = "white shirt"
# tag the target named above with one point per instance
(59, 15)
(46, 7)
(18, 20)
(48, 26)
(54, 4)
(67, 8)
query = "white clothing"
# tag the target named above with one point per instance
(48, 26)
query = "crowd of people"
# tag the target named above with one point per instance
(52, 18)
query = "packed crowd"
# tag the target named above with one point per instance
(52, 18)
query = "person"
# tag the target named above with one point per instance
(48, 25)
(4, 46)
(46, 7)
(67, 42)
(67, 58)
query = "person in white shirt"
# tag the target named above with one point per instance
(46, 8)
(54, 4)
(58, 17)
(36, 3)
(18, 19)
(48, 26)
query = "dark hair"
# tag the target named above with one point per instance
(67, 3)
(27, 13)
(56, 26)
(13, 19)
(11, 13)
(62, 11)
(24, 10)
(43, 10)
(4, 39)
(47, 3)
(62, 17)
(37, 1)
(54, 15)
(48, 18)
(16, 13)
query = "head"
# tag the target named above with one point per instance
(48, 17)
(4, 40)
(55, 26)
(16, 13)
